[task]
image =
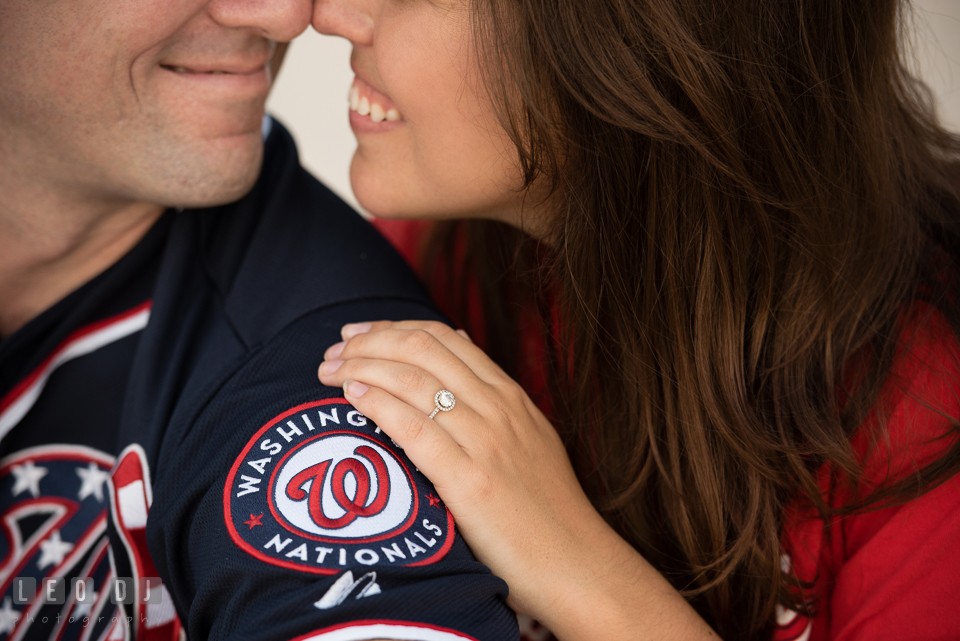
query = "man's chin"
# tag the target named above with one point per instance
(216, 173)
(218, 190)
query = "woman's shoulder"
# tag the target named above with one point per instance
(914, 421)
(882, 571)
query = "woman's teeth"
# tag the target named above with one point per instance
(364, 107)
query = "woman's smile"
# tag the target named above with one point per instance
(429, 144)
(371, 111)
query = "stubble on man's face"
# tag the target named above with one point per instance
(142, 100)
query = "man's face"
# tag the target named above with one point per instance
(140, 100)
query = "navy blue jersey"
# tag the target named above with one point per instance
(165, 420)
(62, 378)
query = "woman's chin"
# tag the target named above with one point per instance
(381, 206)
(393, 204)
(374, 189)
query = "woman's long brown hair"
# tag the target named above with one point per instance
(745, 196)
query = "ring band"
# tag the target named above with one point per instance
(444, 401)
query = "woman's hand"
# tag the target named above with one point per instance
(494, 459)
(501, 469)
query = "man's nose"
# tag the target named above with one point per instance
(350, 19)
(280, 20)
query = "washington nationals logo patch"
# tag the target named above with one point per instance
(320, 488)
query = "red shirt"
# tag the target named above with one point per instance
(891, 573)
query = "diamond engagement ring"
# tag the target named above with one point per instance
(444, 401)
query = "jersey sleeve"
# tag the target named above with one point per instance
(281, 512)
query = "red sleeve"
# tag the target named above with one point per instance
(892, 573)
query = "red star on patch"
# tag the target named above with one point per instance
(254, 521)
(434, 501)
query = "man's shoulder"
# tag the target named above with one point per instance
(292, 246)
(288, 262)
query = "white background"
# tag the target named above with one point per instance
(310, 96)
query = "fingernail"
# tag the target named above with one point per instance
(355, 389)
(329, 367)
(334, 351)
(464, 334)
(351, 330)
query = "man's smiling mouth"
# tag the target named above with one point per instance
(178, 69)
(216, 68)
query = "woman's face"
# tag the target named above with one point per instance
(429, 144)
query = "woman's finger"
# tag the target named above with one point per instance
(428, 445)
(414, 347)
(418, 346)
(411, 384)
(456, 341)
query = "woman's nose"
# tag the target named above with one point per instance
(350, 19)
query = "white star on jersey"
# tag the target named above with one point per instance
(28, 477)
(53, 550)
(8, 617)
(93, 479)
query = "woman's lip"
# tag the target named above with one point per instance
(366, 125)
